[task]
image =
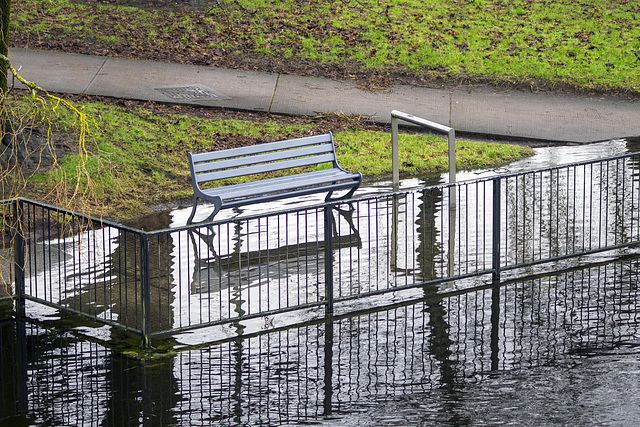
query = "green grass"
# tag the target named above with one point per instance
(139, 159)
(370, 153)
(585, 44)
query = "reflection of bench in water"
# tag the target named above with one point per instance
(253, 268)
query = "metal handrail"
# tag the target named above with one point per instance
(398, 115)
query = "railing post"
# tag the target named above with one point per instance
(328, 365)
(19, 250)
(328, 257)
(495, 290)
(145, 291)
(495, 250)
(495, 326)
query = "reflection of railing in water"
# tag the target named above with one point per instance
(211, 268)
(336, 365)
(172, 280)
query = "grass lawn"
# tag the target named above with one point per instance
(589, 45)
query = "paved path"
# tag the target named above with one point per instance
(484, 111)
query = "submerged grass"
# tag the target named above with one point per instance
(138, 158)
(585, 44)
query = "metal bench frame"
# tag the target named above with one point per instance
(265, 158)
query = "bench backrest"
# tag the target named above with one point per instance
(262, 158)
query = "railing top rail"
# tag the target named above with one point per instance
(420, 121)
(100, 221)
(559, 167)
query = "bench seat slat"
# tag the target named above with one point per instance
(273, 156)
(279, 196)
(264, 168)
(261, 148)
(282, 184)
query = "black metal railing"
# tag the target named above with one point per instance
(300, 263)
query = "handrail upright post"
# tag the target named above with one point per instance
(451, 135)
(395, 154)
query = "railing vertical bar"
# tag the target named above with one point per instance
(477, 226)
(466, 231)
(137, 278)
(232, 252)
(19, 254)
(484, 224)
(573, 214)
(145, 291)
(358, 252)
(426, 240)
(286, 255)
(122, 276)
(445, 213)
(260, 284)
(593, 199)
(62, 250)
(316, 223)
(298, 255)
(636, 182)
(516, 213)
(587, 201)
(29, 254)
(107, 302)
(557, 204)
(167, 272)
(376, 209)
(43, 256)
(602, 183)
(540, 214)
(614, 196)
(620, 221)
(247, 266)
(92, 250)
(567, 212)
(551, 221)
(279, 260)
(407, 207)
(634, 200)
(197, 274)
(46, 237)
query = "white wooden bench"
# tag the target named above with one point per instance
(264, 158)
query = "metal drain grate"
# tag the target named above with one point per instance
(187, 92)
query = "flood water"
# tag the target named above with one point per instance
(560, 349)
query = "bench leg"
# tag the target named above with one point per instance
(348, 195)
(193, 211)
(216, 208)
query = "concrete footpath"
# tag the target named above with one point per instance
(488, 111)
